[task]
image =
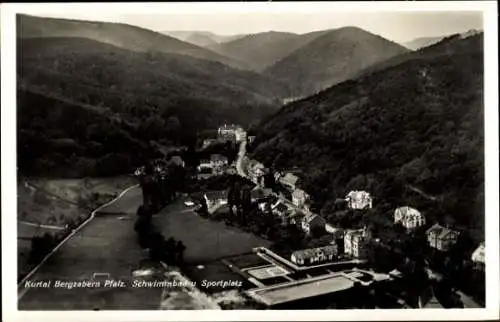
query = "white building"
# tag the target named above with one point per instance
(289, 180)
(229, 132)
(300, 197)
(355, 243)
(409, 218)
(214, 198)
(315, 255)
(205, 166)
(478, 255)
(359, 200)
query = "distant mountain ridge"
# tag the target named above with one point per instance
(332, 57)
(421, 42)
(200, 38)
(117, 34)
(262, 50)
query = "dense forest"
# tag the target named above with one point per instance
(410, 134)
(84, 105)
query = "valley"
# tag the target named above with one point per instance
(271, 161)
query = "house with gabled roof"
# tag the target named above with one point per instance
(358, 200)
(289, 180)
(314, 255)
(441, 238)
(410, 218)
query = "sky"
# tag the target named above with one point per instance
(396, 26)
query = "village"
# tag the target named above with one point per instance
(335, 260)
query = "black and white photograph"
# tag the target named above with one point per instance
(278, 158)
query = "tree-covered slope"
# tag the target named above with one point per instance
(331, 58)
(156, 97)
(411, 134)
(118, 34)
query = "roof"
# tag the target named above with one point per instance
(312, 252)
(356, 194)
(289, 178)
(218, 157)
(215, 195)
(300, 193)
(407, 212)
(440, 231)
(229, 127)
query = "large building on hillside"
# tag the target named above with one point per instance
(231, 132)
(359, 200)
(409, 218)
(441, 238)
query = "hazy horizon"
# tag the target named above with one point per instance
(396, 26)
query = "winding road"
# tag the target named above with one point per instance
(241, 171)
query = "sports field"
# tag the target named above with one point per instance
(206, 240)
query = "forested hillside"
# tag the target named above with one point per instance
(259, 50)
(330, 58)
(151, 97)
(189, 35)
(262, 50)
(117, 34)
(415, 126)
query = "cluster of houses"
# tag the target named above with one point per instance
(354, 240)
(217, 164)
